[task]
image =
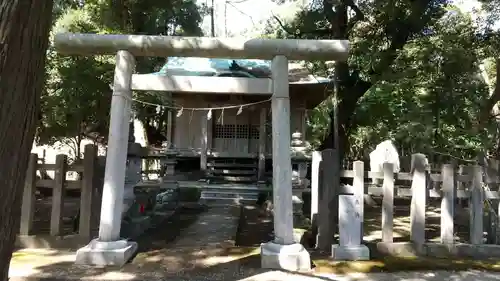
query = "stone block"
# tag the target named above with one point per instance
(292, 257)
(115, 253)
(350, 253)
(350, 220)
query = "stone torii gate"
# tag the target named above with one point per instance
(109, 248)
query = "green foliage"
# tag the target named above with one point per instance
(189, 194)
(75, 104)
(423, 88)
(413, 75)
(77, 95)
(430, 99)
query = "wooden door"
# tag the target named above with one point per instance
(231, 133)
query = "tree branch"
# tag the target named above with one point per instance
(359, 15)
(298, 33)
(493, 99)
(401, 34)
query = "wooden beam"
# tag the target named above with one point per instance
(202, 84)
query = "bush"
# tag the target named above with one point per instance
(189, 194)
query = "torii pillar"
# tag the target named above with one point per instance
(283, 252)
(109, 249)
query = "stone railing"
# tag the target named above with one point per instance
(477, 184)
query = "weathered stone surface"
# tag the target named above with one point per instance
(293, 257)
(350, 253)
(385, 152)
(350, 220)
(100, 253)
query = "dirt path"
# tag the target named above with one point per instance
(197, 244)
(215, 228)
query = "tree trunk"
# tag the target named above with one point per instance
(350, 92)
(24, 30)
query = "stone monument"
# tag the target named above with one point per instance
(385, 152)
(350, 220)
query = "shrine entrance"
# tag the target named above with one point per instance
(109, 248)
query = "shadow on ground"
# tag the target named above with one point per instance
(158, 260)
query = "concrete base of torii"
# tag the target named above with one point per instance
(293, 257)
(114, 253)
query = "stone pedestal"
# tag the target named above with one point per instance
(297, 203)
(350, 219)
(132, 175)
(293, 257)
(115, 253)
(168, 180)
(350, 253)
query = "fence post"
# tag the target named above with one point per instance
(449, 190)
(418, 199)
(491, 182)
(476, 206)
(359, 190)
(388, 203)
(316, 160)
(86, 195)
(58, 195)
(327, 217)
(28, 205)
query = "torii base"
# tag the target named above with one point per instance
(115, 253)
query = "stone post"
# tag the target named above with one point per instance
(315, 175)
(28, 205)
(328, 203)
(419, 167)
(449, 190)
(283, 252)
(109, 248)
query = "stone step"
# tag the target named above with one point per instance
(229, 194)
(236, 188)
(234, 179)
(231, 165)
(232, 172)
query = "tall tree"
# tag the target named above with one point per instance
(67, 115)
(24, 35)
(377, 30)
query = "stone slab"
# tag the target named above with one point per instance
(350, 253)
(350, 220)
(292, 257)
(116, 253)
(460, 250)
